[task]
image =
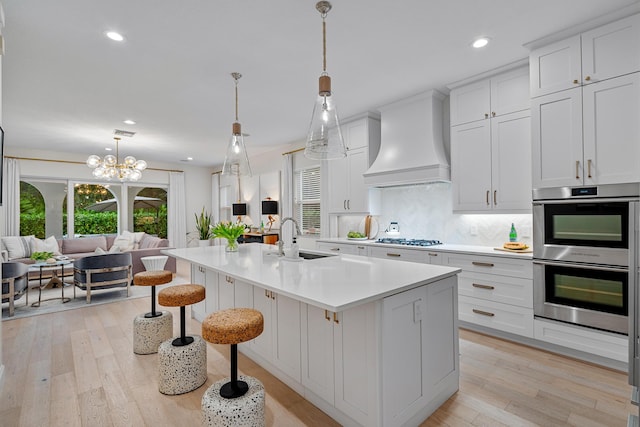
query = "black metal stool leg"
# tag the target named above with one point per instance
(153, 312)
(183, 339)
(234, 388)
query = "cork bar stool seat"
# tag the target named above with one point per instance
(182, 361)
(152, 328)
(233, 326)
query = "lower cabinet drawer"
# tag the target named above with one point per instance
(605, 344)
(413, 255)
(502, 289)
(504, 317)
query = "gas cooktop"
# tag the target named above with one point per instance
(409, 242)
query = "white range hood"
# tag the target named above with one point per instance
(411, 149)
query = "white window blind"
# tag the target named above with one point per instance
(307, 199)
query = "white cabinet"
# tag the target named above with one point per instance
(208, 279)
(338, 353)
(230, 293)
(342, 248)
(417, 358)
(495, 292)
(588, 135)
(347, 191)
(279, 342)
(605, 52)
(490, 164)
(502, 94)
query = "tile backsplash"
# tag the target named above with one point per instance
(424, 212)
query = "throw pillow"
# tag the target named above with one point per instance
(124, 242)
(112, 250)
(100, 251)
(50, 244)
(18, 246)
(136, 237)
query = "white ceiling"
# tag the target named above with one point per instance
(66, 87)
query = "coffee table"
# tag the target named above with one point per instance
(53, 282)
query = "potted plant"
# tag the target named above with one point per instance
(229, 231)
(203, 226)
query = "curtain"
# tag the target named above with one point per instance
(11, 197)
(286, 233)
(177, 218)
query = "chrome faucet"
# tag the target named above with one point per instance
(281, 242)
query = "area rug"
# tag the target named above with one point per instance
(51, 301)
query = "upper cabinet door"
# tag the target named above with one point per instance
(611, 111)
(470, 103)
(611, 50)
(510, 92)
(556, 131)
(555, 67)
(471, 166)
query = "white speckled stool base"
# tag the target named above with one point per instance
(245, 411)
(149, 333)
(182, 369)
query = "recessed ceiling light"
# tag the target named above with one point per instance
(115, 36)
(129, 122)
(107, 149)
(480, 42)
(189, 158)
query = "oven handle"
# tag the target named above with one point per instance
(589, 267)
(583, 199)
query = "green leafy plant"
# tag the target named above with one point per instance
(41, 256)
(203, 224)
(228, 230)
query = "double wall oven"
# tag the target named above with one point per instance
(584, 255)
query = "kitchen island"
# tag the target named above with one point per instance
(369, 341)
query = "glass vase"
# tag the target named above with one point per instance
(232, 245)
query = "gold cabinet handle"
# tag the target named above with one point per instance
(589, 168)
(335, 318)
(484, 313)
(273, 295)
(392, 254)
(482, 264)
(326, 315)
(588, 78)
(493, 114)
(486, 115)
(577, 169)
(495, 197)
(360, 247)
(487, 197)
(334, 249)
(266, 293)
(575, 81)
(432, 254)
(478, 285)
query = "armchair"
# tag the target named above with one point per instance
(102, 272)
(14, 283)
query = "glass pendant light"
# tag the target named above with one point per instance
(324, 141)
(236, 162)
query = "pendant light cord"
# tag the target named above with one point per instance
(236, 99)
(324, 44)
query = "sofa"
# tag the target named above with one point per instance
(138, 244)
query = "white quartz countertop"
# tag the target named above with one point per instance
(468, 249)
(333, 283)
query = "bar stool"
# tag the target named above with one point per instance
(151, 329)
(183, 360)
(235, 400)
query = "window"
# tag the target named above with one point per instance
(307, 199)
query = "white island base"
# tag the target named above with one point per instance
(387, 361)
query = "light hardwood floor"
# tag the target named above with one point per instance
(77, 368)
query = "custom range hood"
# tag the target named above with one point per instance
(411, 149)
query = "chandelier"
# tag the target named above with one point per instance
(110, 167)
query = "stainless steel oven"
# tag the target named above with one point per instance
(584, 254)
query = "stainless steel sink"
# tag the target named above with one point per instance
(313, 255)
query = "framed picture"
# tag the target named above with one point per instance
(1, 161)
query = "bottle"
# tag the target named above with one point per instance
(295, 249)
(513, 236)
(261, 226)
